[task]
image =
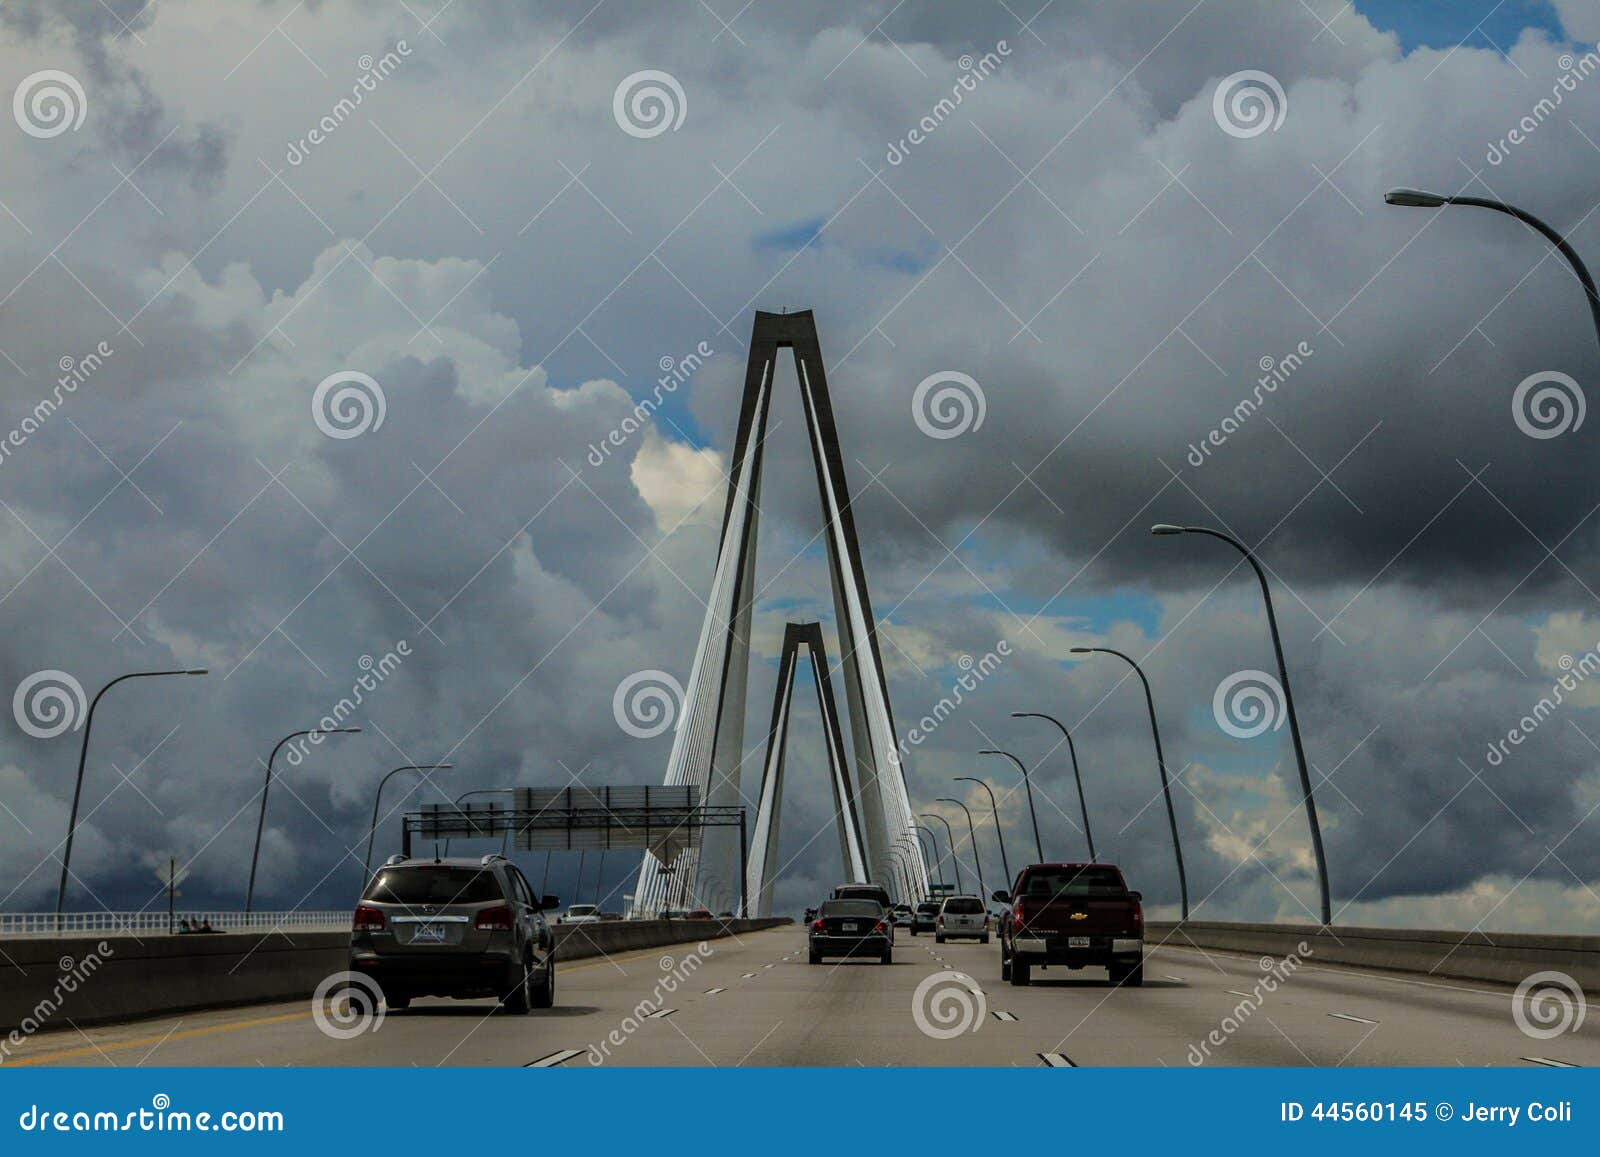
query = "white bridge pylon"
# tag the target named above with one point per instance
(708, 748)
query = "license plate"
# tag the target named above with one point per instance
(1077, 942)
(428, 934)
(847, 927)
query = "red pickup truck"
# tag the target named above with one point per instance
(1074, 915)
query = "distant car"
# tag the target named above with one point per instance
(902, 915)
(925, 917)
(1073, 914)
(458, 927)
(725, 916)
(699, 914)
(877, 893)
(611, 915)
(582, 914)
(961, 916)
(851, 928)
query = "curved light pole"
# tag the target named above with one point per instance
(1005, 865)
(972, 834)
(261, 821)
(1038, 844)
(1161, 765)
(1076, 774)
(950, 839)
(1288, 700)
(1419, 199)
(377, 796)
(83, 755)
(938, 864)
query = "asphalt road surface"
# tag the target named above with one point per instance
(754, 1000)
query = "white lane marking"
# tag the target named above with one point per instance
(1004, 1016)
(1236, 992)
(747, 976)
(1347, 1016)
(714, 991)
(769, 966)
(554, 1059)
(1179, 979)
(658, 1013)
(1548, 1063)
(1057, 1061)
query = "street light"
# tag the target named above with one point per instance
(372, 829)
(83, 755)
(950, 839)
(1288, 701)
(1005, 865)
(972, 834)
(1027, 783)
(938, 864)
(1161, 765)
(261, 821)
(1419, 199)
(1076, 774)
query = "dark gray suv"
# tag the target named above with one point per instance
(457, 927)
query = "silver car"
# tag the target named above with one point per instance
(962, 916)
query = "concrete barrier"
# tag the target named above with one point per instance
(49, 982)
(1499, 958)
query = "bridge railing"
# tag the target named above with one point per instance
(13, 924)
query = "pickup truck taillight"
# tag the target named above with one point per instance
(367, 919)
(819, 926)
(496, 919)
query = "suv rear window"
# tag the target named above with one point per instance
(426, 885)
(1079, 884)
(869, 909)
(965, 907)
(927, 907)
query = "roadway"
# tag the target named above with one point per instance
(754, 1000)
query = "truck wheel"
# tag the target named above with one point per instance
(1005, 964)
(1127, 976)
(984, 939)
(816, 957)
(1021, 971)
(394, 1000)
(938, 939)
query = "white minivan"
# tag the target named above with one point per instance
(962, 916)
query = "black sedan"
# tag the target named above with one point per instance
(851, 928)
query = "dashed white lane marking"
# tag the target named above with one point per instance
(1347, 1016)
(714, 991)
(747, 976)
(1179, 979)
(1236, 992)
(1057, 1061)
(1004, 1016)
(769, 966)
(658, 1013)
(1552, 1064)
(554, 1059)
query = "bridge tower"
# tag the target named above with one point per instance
(708, 747)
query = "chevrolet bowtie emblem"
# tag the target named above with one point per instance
(1078, 916)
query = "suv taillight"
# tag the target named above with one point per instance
(496, 919)
(819, 926)
(367, 919)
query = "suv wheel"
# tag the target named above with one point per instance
(518, 1001)
(544, 996)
